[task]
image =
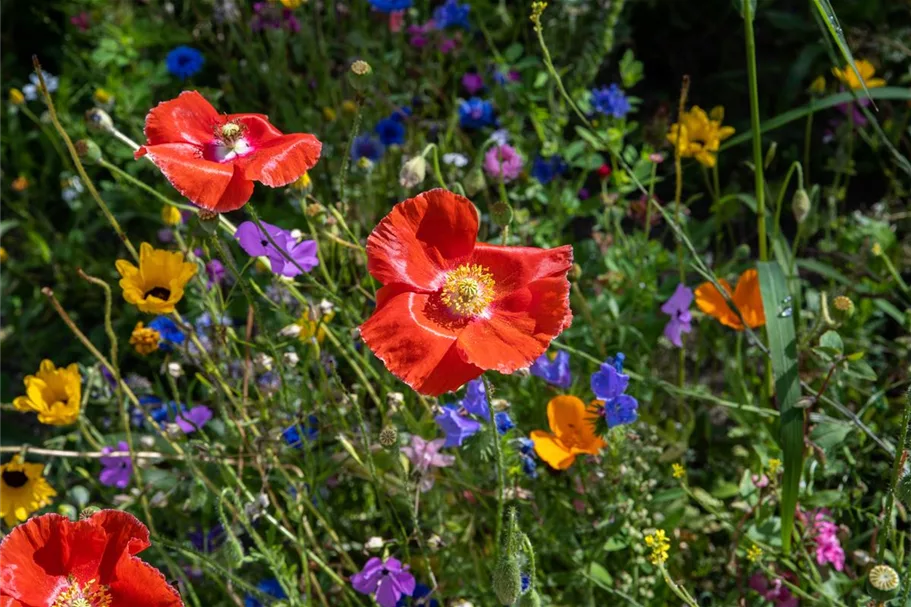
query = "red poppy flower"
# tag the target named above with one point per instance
(451, 307)
(604, 171)
(52, 561)
(213, 159)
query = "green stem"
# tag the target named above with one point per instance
(681, 592)
(756, 127)
(807, 140)
(501, 480)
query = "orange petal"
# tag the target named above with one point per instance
(551, 450)
(748, 299)
(711, 302)
(566, 416)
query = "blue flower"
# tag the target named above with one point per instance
(476, 113)
(390, 6)
(269, 587)
(391, 131)
(610, 101)
(207, 541)
(419, 598)
(527, 453)
(555, 372)
(367, 147)
(169, 331)
(456, 426)
(504, 422)
(452, 14)
(292, 434)
(526, 583)
(546, 170)
(475, 401)
(184, 62)
(609, 385)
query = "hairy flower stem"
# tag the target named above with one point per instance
(346, 161)
(501, 479)
(756, 127)
(680, 591)
(898, 462)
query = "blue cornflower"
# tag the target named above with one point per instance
(546, 170)
(475, 401)
(418, 598)
(527, 453)
(367, 146)
(391, 131)
(609, 385)
(166, 412)
(390, 6)
(169, 332)
(476, 113)
(555, 372)
(457, 427)
(526, 583)
(610, 101)
(184, 62)
(452, 14)
(503, 421)
(269, 587)
(292, 434)
(207, 541)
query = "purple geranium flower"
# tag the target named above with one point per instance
(457, 427)
(194, 419)
(116, 470)
(255, 242)
(388, 581)
(609, 385)
(555, 372)
(424, 456)
(678, 308)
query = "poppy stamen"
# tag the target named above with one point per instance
(468, 290)
(90, 594)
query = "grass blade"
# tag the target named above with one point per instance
(827, 14)
(776, 301)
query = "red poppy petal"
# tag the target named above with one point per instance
(138, 583)
(421, 238)
(257, 128)
(521, 327)
(6, 601)
(281, 160)
(125, 535)
(203, 181)
(515, 267)
(406, 333)
(187, 119)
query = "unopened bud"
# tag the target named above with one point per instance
(530, 599)
(842, 309)
(413, 172)
(394, 400)
(262, 361)
(374, 543)
(800, 205)
(575, 273)
(174, 369)
(474, 181)
(501, 213)
(507, 580)
(98, 119)
(88, 150)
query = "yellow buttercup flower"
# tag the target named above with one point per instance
(679, 471)
(157, 285)
(303, 183)
(754, 553)
(700, 134)
(774, 466)
(102, 97)
(144, 339)
(16, 97)
(20, 183)
(657, 541)
(170, 215)
(313, 326)
(850, 80)
(23, 490)
(54, 394)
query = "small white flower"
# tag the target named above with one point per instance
(501, 136)
(297, 234)
(175, 370)
(326, 307)
(31, 90)
(374, 543)
(455, 159)
(291, 358)
(262, 361)
(290, 331)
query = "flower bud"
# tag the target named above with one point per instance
(291, 358)
(99, 120)
(262, 361)
(842, 309)
(88, 150)
(474, 181)
(208, 220)
(174, 369)
(882, 582)
(507, 580)
(171, 215)
(413, 172)
(501, 214)
(530, 599)
(800, 205)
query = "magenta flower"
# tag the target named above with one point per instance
(774, 591)
(418, 34)
(116, 470)
(678, 308)
(503, 162)
(215, 270)
(424, 456)
(825, 536)
(194, 419)
(82, 21)
(255, 242)
(472, 83)
(388, 581)
(396, 19)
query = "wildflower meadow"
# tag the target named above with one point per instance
(455, 303)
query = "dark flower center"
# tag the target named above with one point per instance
(384, 571)
(14, 478)
(265, 243)
(159, 292)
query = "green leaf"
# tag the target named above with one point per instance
(599, 574)
(830, 434)
(783, 348)
(832, 341)
(860, 368)
(827, 14)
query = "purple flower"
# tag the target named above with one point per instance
(418, 34)
(555, 372)
(457, 427)
(116, 470)
(472, 82)
(504, 422)
(388, 581)
(424, 456)
(475, 401)
(678, 308)
(255, 242)
(194, 419)
(610, 101)
(503, 162)
(205, 541)
(609, 385)
(216, 272)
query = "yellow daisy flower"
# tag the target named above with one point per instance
(158, 283)
(54, 394)
(23, 490)
(144, 339)
(292, 3)
(700, 134)
(866, 69)
(303, 183)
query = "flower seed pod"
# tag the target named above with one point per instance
(800, 205)
(360, 75)
(507, 580)
(501, 213)
(88, 150)
(100, 120)
(882, 583)
(389, 436)
(842, 309)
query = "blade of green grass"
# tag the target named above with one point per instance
(777, 303)
(827, 14)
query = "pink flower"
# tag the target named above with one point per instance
(761, 482)
(825, 536)
(396, 18)
(472, 82)
(424, 456)
(503, 161)
(447, 45)
(419, 33)
(82, 21)
(774, 591)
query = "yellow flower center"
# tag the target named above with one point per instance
(468, 290)
(14, 478)
(90, 594)
(230, 131)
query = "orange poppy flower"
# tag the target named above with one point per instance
(746, 297)
(452, 307)
(572, 433)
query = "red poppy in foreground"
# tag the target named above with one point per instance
(51, 561)
(213, 159)
(451, 307)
